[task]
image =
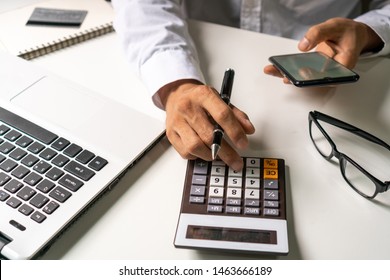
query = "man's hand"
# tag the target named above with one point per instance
(191, 108)
(340, 38)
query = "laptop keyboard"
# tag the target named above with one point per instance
(40, 171)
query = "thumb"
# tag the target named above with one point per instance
(305, 45)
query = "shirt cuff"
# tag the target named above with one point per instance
(168, 66)
(380, 24)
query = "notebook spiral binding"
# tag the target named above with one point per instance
(66, 41)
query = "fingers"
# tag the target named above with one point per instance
(340, 38)
(190, 112)
(273, 71)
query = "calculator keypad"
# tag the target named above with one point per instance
(256, 191)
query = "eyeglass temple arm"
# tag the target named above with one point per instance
(351, 128)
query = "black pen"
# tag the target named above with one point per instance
(226, 91)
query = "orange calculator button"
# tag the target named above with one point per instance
(270, 174)
(270, 163)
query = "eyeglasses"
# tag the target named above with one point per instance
(356, 176)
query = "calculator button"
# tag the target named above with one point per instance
(197, 199)
(251, 211)
(253, 162)
(216, 192)
(214, 208)
(271, 184)
(218, 170)
(252, 194)
(253, 172)
(270, 163)
(199, 180)
(271, 204)
(252, 183)
(233, 193)
(233, 209)
(271, 195)
(233, 173)
(271, 212)
(215, 200)
(234, 182)
(252, 202)
(217, 181)
(270, 174)
(232, 201)
(198, 190)
(200, 167)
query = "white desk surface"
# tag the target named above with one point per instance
(326, 218)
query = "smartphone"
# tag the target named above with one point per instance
(313, 69)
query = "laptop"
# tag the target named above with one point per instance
(61, 147)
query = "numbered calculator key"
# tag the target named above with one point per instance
(234, 210)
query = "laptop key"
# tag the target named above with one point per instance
(41, 167)
(20, 172)
(45, 186)
(85, 156)
(70, 182)
(8, 165)
(50, 207)
(60, 194)
(3, 129)
(12, 135)
(4, 178)
(18, 154)
(3, 195)
(26, 209)
(60, 144)
(6, 147)
(72, 150)
(38, 217)
(60, 160)
(30, 160)
(26, 126)
(32, 179)
(26, 193)
(35, 147)
(13, 186)
(13, 202)
(97, 163)
(79, 170)
(39, 200)
(24, 141)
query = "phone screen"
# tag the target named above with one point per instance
(313, 68)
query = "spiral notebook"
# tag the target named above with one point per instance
(31, 41)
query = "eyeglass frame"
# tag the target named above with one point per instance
(314, 116)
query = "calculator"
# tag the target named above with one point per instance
(237, 211)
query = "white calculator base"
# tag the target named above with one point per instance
(237, 226)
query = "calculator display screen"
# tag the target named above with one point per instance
(231, 234)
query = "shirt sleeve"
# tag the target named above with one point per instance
(379, 21)
(156, 42)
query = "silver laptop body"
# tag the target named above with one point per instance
(61, 147)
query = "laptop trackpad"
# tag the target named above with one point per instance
(59, 102)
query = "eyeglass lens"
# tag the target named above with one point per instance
(354, 176)
(319, 140)
(357, 179)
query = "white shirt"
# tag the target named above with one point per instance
(158, 47)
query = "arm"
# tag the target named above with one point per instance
(160, 49)
(156, 41)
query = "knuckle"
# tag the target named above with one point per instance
(193, 147)
(224, 114)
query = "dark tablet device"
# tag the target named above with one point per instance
(312, 69)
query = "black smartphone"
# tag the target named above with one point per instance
(313, 69)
